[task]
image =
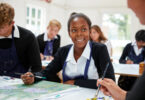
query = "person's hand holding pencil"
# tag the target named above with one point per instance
(109, 88)
(28, 78)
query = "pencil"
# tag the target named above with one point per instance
(40, 77)
(102, 79)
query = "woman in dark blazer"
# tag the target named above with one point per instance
(49, 42)
(81, 63)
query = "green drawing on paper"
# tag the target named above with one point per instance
(30, 92)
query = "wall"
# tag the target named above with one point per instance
(19, 6)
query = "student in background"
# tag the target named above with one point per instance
(98, 36)
(138, 91)
(19, 52)
(82, 63)
(133, 53)
(49, 42)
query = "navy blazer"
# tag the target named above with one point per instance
(42, 43)
(126, 52)
(100, 56)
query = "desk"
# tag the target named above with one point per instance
(126, 69)
(75, 93)
(81, 94)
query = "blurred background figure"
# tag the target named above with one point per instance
(98, 36)
(49, 42)
(133, 53)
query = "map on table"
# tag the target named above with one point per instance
(31, 92)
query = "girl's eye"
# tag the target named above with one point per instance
(84, 29)
(73, 30)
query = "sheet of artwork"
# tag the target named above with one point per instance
(30, 92)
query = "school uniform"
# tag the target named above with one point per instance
(19, 53)
(88, 68)
(130, 52)
(47, 46)
(109, 46)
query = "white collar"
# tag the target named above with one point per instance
(86, 52)
(136, 49)
(16, 33)
(134, 43)
(46, 37)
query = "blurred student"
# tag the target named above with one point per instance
(49, 42)
(133, 53)
(98, 36)
(82, 62)
(138, 91)
(19, 52)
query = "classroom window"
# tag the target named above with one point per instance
(39, 14)
(27, 11)
(117, 29)
(35, 19)
(33, 12)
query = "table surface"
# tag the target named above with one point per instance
(127, 69)
(81, 93)
(74, 94)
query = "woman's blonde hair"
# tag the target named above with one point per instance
(101, 35)
(6, 14)
(54, 22)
